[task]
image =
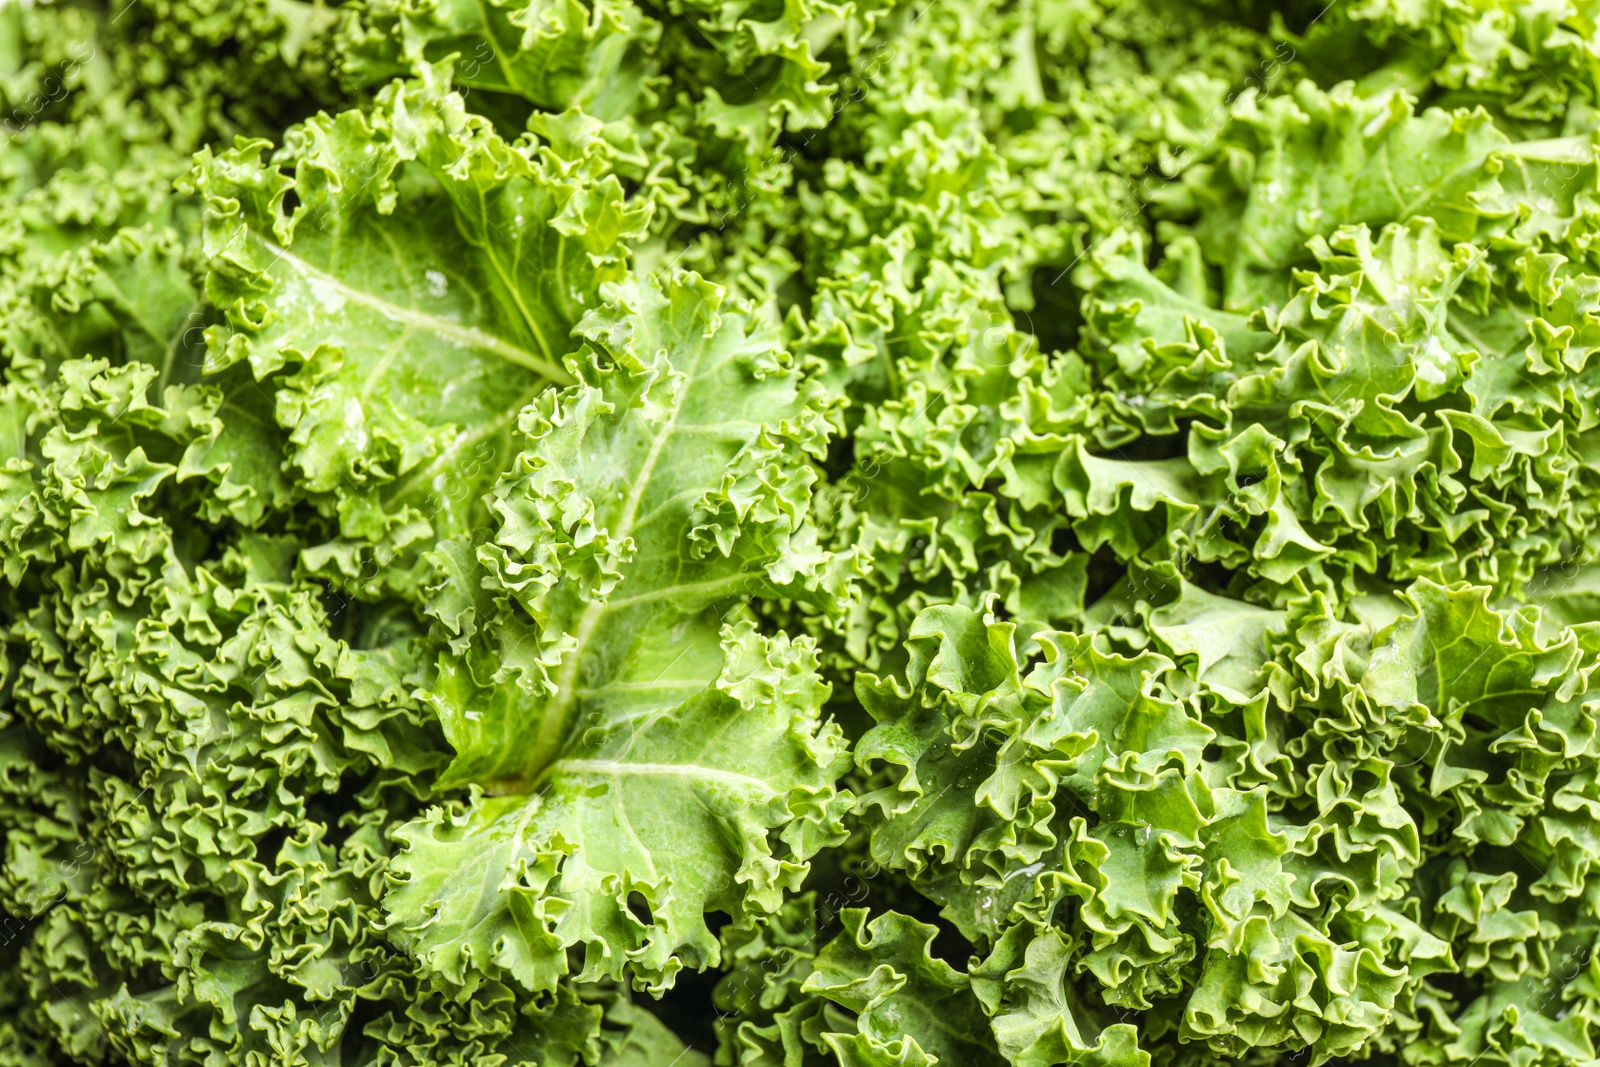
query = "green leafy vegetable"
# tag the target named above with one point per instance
(1018, 533)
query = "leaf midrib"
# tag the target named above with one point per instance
(553, 726)
(469, 335)
(624, 769)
